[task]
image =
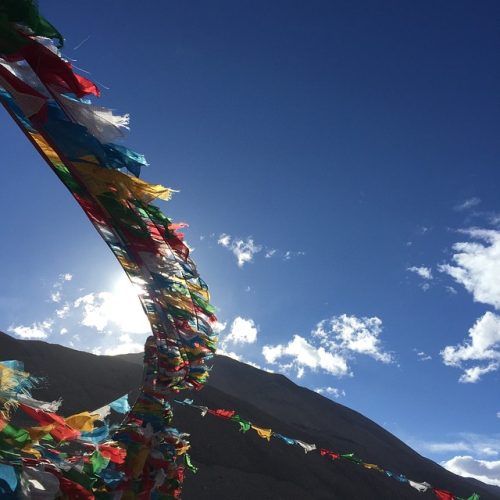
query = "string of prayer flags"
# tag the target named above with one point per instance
(324, 452)
(50, 103)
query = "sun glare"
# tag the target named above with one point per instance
(124, 307)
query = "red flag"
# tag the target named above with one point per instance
(443, 495)
(222, 413)
(331, 454)
(61, 431)
(73, 490)
(114, 453)
(52, 70)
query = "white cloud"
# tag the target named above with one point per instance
(424, 272)
(330, 346)
(350, 333)
(66, 276)
(332, 391)
(476, 265)
(303, 355)
(272, 353)
(224, 240)
(243, 250)
(55, 296)
(483, 345)
(63, 331)
(63, 312)
(35, 331)
(474, 374)
(243, 331)
(487, 471)
(469, 203)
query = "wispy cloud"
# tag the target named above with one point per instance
(483, 345)
(424, 272)
(245, 249)
(423, 356)
(331, 344)
(331, 391)
(478, 445)
(64, 311)
(467, 204)
(56, 294)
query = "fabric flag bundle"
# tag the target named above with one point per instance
(76, 457)
(267, 434)
(49, 102)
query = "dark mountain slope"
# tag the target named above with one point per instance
(233, 465)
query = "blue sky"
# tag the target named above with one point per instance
(338, 165)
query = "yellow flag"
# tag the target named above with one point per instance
(263, 433)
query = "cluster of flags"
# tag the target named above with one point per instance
(245, 425)
(81, 143)
(83, 456)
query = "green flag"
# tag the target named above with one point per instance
(98, 461)
(23, 12)
(244, 425)
(189, 464)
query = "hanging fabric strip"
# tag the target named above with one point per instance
(99, 121)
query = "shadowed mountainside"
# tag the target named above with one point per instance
(244, 466)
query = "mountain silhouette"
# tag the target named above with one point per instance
(240, 466)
